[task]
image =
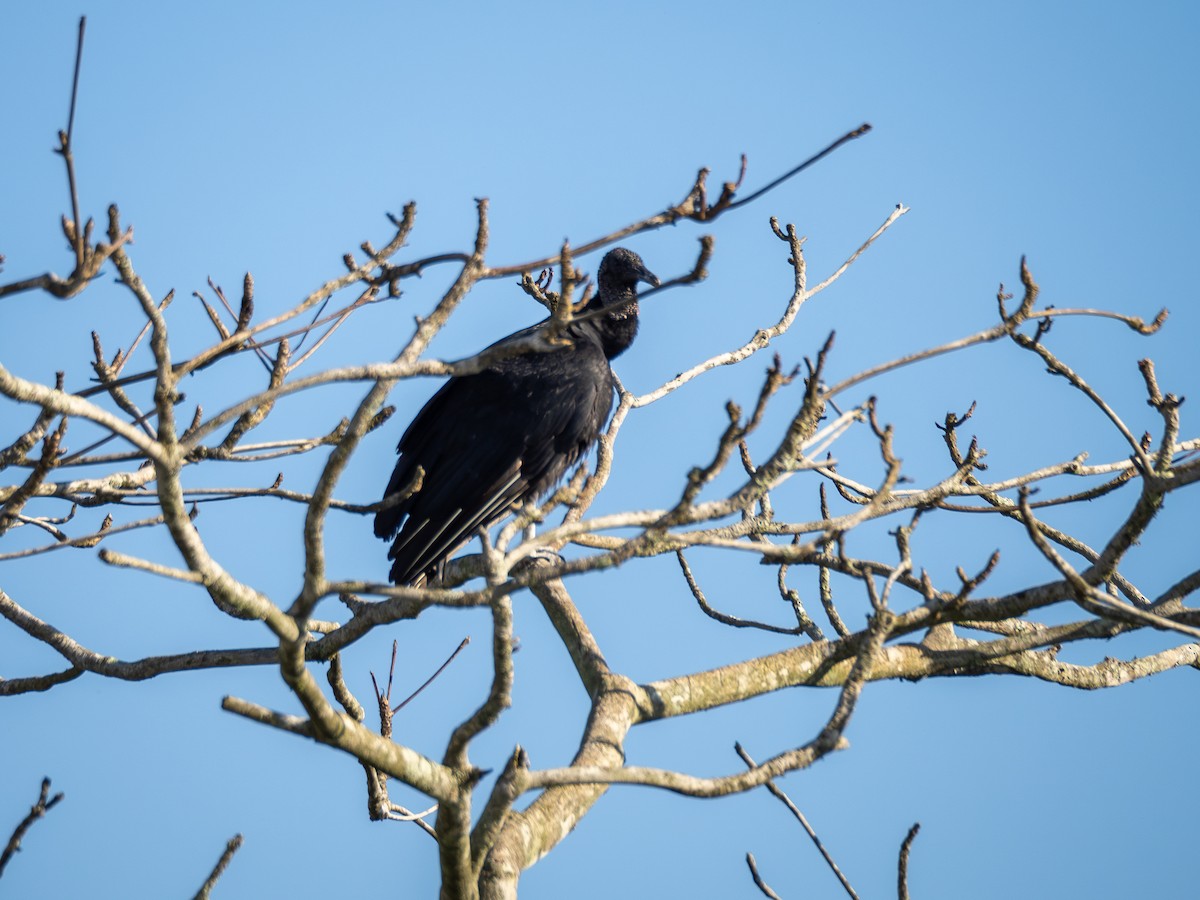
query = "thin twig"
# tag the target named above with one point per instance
(235, 844)
(800, 817)
(66, 150)
(905, 847)
(44, 804)
(762, 885)
(721, 617)
(430, 680)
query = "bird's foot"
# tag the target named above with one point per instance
(542, 556)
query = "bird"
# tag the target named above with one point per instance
(493, 440)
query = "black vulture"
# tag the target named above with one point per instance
(506, 435)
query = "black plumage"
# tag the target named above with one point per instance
(507, 434)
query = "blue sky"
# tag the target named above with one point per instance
(272, 139)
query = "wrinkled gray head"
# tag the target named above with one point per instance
(621, 270)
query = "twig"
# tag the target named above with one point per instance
(762, 885)
(89, 540)
(43, 805)
(693, 206)
(721, 617)
(1086, 595)
(905, 847)
(235, 844)
(499, 694)
(65, 149)
(122, 560)
(800, 817)
(430, 680)
(844, 139)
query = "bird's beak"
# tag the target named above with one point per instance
(647, 276)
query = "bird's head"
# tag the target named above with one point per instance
(620, 271)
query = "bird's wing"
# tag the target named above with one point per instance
(469, 438)
(486, 442)
(425, 438)
(571, 413)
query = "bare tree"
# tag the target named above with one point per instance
(149, 445)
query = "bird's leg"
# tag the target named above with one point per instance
(545, 554)
(541, 554)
